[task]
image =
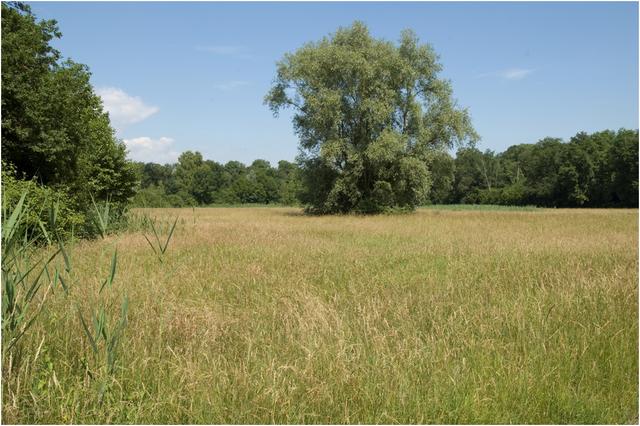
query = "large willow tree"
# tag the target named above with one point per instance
(369, 113)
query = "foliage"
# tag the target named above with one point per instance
(194, 181)
(54, 128)
(442, 169)
(22, 270)
(368, 113)
(48, 207)
(596, 170)
(288, 176)
(590, 170)
(105, 336)
(152, 196)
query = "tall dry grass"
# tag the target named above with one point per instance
(265, 315)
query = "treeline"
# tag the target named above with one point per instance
(596, 170)
(193, 181)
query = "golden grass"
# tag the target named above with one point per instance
(262, 315)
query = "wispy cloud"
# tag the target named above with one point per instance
(230, 85)
(148, 149)
(516, 73)
(123, 108)
(509, 74)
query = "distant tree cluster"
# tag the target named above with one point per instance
(193, 181)
(596, 170)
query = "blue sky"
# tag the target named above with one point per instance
(192, 76)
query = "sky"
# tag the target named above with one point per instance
(192, 76)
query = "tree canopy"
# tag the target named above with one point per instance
(368, 113)
(590, 170)
(195, 181)
(54, 127)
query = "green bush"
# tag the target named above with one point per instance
(153, 196)
(67, 220)
(514, 195)
(156, 197)
(62, 214)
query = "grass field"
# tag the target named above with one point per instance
(265, 315)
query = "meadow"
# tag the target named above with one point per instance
(266, 315)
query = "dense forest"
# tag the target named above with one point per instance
(590, 170)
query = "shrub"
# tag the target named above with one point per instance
(67, 220)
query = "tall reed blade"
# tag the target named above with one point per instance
(92, 341)
(65, 256)
(103, 216)
(170, 235)
(9, 227)
(109, 281)
(159, 248)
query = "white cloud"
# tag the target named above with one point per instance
(509, 74)
(123, 108)
(147, 149)
(230, 85)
